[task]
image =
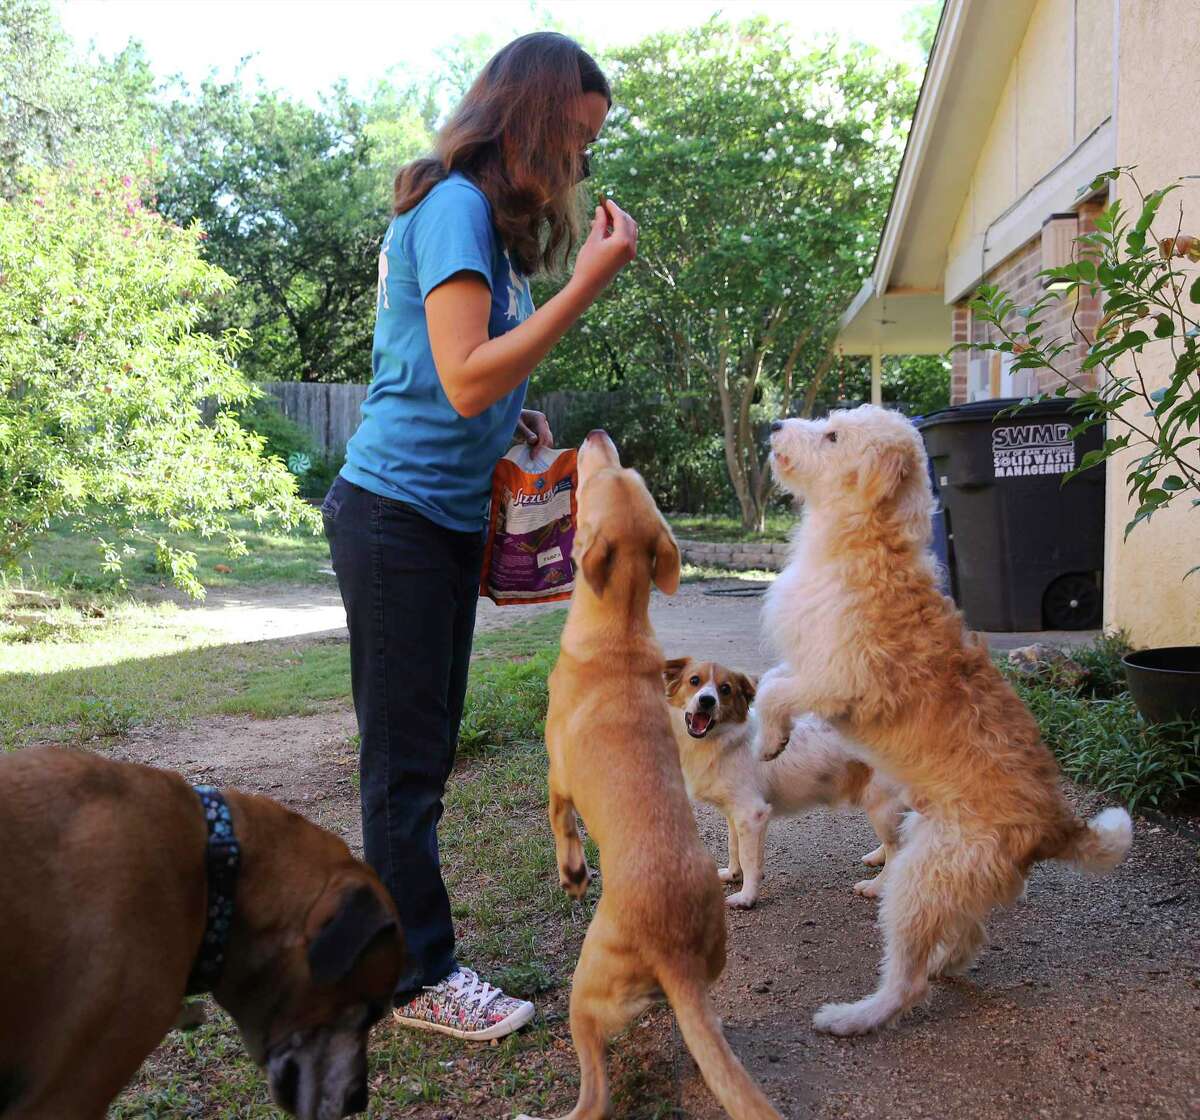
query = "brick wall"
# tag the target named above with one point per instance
(1073, 318)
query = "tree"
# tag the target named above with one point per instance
(921, 25)
(919, 383)
(295, 203)
(758, 177)
(57, 106)
(105, 381)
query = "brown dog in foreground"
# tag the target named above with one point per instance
(659, 927)
(104, 900)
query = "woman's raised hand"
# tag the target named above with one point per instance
(611, 244)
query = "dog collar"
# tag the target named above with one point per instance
(222, 860)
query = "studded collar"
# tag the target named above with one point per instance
(222, 861)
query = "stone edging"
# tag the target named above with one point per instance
(767, 556)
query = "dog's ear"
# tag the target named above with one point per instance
(745, 688)
(673, 673)
(881, 476)
(666, 562)
(347, 920)
(597, 563)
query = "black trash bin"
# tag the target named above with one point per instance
(1025, 551)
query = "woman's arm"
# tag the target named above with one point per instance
(476, 371)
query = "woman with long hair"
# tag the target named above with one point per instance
(456, 338)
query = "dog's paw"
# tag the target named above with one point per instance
(875, 858)
(846, 1019)
(869, 888)
(729, 874)
(574, 880)
(770, 752)
(773, 738)
(743, 900)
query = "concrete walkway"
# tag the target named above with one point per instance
(717, 620)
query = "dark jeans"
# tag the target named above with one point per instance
(410, 589)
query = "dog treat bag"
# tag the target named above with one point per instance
(531, 527)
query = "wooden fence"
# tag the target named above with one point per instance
(331, 412)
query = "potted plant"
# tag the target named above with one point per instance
(1150, 300)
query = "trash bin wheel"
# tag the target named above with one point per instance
(1072, 602)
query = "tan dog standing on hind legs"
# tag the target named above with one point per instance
(659, 928)
(872, 645)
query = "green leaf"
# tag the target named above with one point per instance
(1194, 291)
(1173, 482)
(1164, 326)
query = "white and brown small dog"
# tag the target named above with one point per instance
(714, 727)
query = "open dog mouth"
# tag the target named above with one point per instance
(698, 723)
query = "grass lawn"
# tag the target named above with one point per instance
(713, 527)
(64, 560)
(101, 670)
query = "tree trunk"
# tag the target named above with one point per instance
(729, 425)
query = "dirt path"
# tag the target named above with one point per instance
(1087, 998)
(1086, 1002)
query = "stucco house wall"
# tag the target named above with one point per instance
(1058, 99)
(1159, 91)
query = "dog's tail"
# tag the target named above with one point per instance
(722, 1072)
(1100, 844)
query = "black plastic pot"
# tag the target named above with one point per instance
(1165, 683)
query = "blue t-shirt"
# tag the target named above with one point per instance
(411, 444)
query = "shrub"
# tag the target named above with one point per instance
(281, 437)
(292, 444)
(1098, 737)
(104, 379)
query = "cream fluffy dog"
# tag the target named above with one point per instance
(715, 731)
(870, 644)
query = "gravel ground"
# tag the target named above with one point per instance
(717, 619)
(1086, 999)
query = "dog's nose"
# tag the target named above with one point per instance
(596, 432)
(707, 702)
(776, 425)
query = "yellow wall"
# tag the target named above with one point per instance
(1093, 64)
(1157, 93)
(1044, 120)
(1059, 90)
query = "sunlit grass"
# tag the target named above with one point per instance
(720, 529)
(65, 559)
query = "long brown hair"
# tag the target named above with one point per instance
(514, 138)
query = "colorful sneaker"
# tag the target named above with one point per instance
(464, 1006)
